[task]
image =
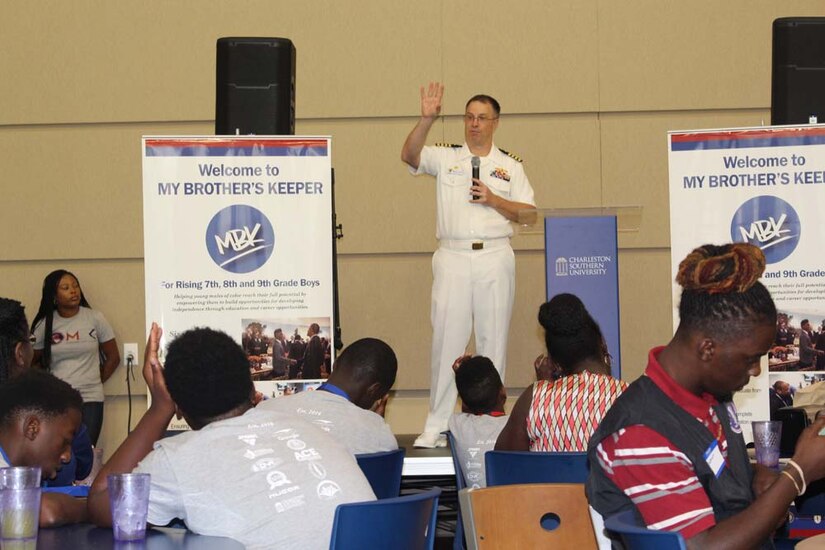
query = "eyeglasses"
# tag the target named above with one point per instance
(469, 119)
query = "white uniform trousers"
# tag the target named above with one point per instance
(472, 290)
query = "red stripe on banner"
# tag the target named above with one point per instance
(804, 533)
(218, 142)
(746, 134)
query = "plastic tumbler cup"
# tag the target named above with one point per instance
(129, 501)
(766, 437)
(19, 507)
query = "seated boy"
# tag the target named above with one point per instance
(16, 354)
(350, 405)
(263, 478)
(39, 416)
(482, 416)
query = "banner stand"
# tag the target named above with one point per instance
(238, 236)
(337, 233)
(761, 185)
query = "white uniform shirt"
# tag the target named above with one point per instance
(361, 431)
(458, 218)
(266, 479)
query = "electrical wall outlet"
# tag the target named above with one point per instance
(130, 350)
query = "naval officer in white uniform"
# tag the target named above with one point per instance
(474, 266)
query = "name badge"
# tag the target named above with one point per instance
(714, 458)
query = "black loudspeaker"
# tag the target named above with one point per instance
(255, 86)
(798, 76)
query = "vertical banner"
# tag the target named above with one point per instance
(765, 186)
(582, 259)
(238, 237)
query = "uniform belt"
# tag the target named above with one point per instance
(474, 244)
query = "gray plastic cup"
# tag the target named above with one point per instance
(19, 507)
(766, 437)
(129, 501)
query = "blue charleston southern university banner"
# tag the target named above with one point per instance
(581, 257)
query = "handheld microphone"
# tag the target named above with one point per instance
(476, 163)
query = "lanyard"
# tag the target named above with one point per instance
(5, 457)
(332, 388)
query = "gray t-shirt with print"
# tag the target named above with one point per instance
(475, 435)
(362, 431)
(76, 350)
(266, 479)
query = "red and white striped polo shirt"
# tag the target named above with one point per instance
(657, 476)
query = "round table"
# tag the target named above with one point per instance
(85, 536)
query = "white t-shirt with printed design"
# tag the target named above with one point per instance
(76, 350)
(266, 479)
(360, 430)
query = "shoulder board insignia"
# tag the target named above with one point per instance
(453, 145)
(511, 155)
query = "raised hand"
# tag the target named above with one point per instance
(430, 108)
(431, 100)
(150, 354)
(153, 371)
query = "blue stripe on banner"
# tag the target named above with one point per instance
(235, 151)
(768, 136)
(745, 143)
(581, 257)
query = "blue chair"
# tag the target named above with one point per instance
(623, 526)
(383, 471)
(401, 523)
(458, 540)
(516, 467)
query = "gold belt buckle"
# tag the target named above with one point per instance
(478, 246)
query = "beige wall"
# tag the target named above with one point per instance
(589, 89)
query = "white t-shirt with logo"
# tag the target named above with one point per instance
(76, 350)
(362, 431)
(265, 479)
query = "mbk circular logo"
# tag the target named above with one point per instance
(240, 238)
(769, 223)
